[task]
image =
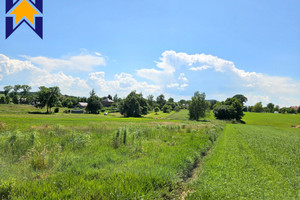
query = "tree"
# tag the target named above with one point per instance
(109, 97)
(258, 107)
(116, 99)
(170, 100)
(241, 98)
(134, 105)
(48, 97)
(156, 110)
(232, 108)
(15, 99)
(197, 106)
(298, 111)
(94, 104)
(26, 89)
(270, 107)
(161, 101)
(7, 99)
(151, 101)
(177, 108)
(222, 112)
(2, 100)
(166, 108)
(236, 109)
(276, 108)
(7, 89)
(16, 89)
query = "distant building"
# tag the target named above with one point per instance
(295, 107)
(82, 105)
(107, 102)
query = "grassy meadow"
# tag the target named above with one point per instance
(158, 156)
(258, 160)
(73, 156)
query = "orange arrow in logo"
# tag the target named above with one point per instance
(24, 9)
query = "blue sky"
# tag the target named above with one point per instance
(160, 46)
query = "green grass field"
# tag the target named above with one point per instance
(259, 160)
(159, 156)
(69, 156)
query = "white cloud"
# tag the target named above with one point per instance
(12, 70)
(266, 87)
(82, 62)
(204, 67)
(122, 84)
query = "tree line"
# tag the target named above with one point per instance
(135, 105)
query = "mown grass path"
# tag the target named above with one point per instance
(251, 162)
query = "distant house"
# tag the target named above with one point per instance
(107, 102)
(295, 107)
(82, 105)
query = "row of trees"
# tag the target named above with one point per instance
(135, 105)
(271, 108)
(17, 93)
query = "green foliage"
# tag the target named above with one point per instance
(7, 99)
(56, 110)
(231, 109)
(6, 187)
(7, 89)
(151, 101)
(156, 109)
(270, 107)
(134, 105)
(166, 108)
(15, 99)
(285, 110)
(48, 97)
(298, 111)
(198, 106)
(161, 101)
(222, 112)
(26, 89)
(177, 109)
(2, 100)
(236, 110)
(242, 99)
(257, 107)
(94, 104)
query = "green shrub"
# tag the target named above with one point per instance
(6, 188)
(166, 108)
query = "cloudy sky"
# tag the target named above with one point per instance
(174, 47)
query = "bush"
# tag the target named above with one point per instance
(7, 99)
(222, 112)
(177, 109)
(166, 108)
(156, 109)
(2, 100)
(15, 99)
(56, 110)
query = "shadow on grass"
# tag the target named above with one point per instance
(40, 113)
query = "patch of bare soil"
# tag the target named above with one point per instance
(3, 125)
(293, 126)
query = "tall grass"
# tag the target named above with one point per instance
(97, 159)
